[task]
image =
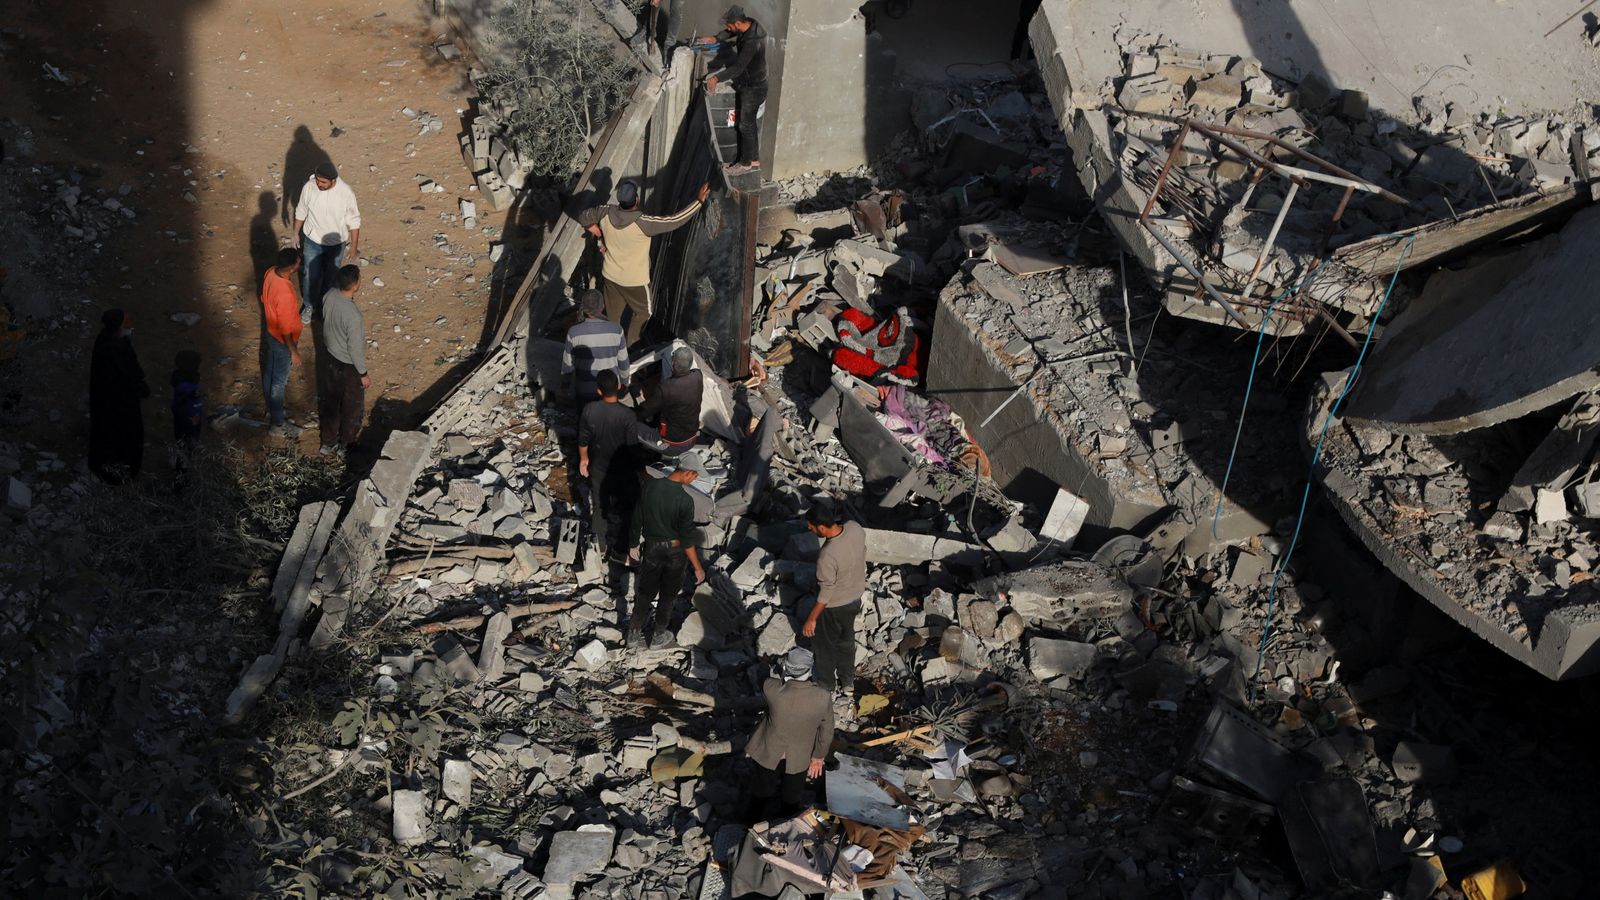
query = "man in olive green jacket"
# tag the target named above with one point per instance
(792, 741)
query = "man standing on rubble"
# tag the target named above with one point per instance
(792, 741)
(605, 428)
(625, 234)
(841, 582)
(664, 542)
(327, 225)
(674, 405)
(594, 345)
(748, 72)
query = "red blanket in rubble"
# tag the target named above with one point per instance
(893, 346)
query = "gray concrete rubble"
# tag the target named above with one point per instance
(1226, 233)
(1087, 663)
(1514, 570)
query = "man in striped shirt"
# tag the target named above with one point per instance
(625, 234)
(594, 345)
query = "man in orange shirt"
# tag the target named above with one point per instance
(281, 303)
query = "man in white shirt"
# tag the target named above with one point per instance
(325, 220)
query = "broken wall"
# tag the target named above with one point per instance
(837, 105)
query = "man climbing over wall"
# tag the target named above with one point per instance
(625, 234)
(748, 72)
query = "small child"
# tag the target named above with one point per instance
(187, 412)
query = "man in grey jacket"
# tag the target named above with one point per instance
(343, 381)
(792, 741)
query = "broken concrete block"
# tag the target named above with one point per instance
(1587, 497)
(492, 653)
(495, 861)
(1147, 93)
(752, 571)
(1217, 93)
(1505, 526)
(576, 855)
(19, 498)
(1066, 517)
(410, 822)
(872, 261)
(1419, 763)
(1550, 506)
(1049, 658)
(1059, 592)
(457, 664)
(591, 656)
(777, 638)
(1247, 569)
(456, 781)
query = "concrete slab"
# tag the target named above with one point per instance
(1491, 342)
(1377, 51)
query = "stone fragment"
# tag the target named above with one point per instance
(1010, 629)
(19, 498)
(456, 781)
(576, 855)
(978, 616)
(777, 638)
(1505, 526)
(1218, 93)
(457, 664)
(1550, 506)
(1049, 658)
(1147, 93)
(592, 655)
(410, 821)
(1065, 519)
(1059, 592)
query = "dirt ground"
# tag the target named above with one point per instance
(206, 110)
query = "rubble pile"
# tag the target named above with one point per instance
(487, 151)
(1509, 555)
(1242, 224)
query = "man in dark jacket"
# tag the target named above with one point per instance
(673, 408)
(664, 541)
(748, 72)
(606, 429)
(116, 388)
(792, 741)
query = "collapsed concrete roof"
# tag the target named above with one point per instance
(1494, 341)
(1176, 146)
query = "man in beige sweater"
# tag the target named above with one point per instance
(792, 741)
(625, 234)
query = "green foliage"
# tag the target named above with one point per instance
(559, 74)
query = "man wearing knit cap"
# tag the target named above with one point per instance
(327, 224)
(594, 345)
(793, 739)
(625, 232)
(664, 541)
(748, 72)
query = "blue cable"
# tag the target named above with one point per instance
(1305, 497)
(1261, 337)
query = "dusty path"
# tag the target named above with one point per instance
(207, 110)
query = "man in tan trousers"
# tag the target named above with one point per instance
(625, 234)
(792, 741)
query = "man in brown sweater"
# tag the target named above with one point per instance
(841, 582)
(625, 232)
(792, 741)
